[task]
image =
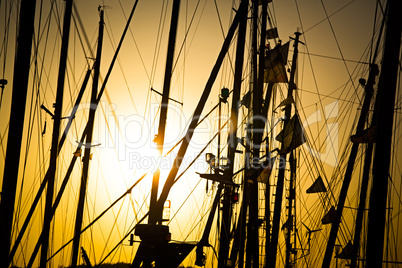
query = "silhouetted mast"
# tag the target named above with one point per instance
(56, 131)
(346, 182)
(160, 137)
(14, 141)
(366, 172)
(87, 154)
(369, 88)
(225, 225)
(281, 175)
(257, 126)
(386, 93)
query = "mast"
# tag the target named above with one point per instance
(346, 182)
(56, 131)
(367, 158)
(44, 182)
(87, 155)
(204, 239)
(18, 102)
(291, 198)
(264, 114)
(281, 175)
(240, 232)
(228, 173)
(267, 194)
(252, 253)
(386, 94)
(153, 216)
(179, 158)
(83, 136)
(147, 249)
(366, 171)
(147, 245)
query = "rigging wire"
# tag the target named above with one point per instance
(186, 35)
(338, 10)
(317, 92)
(4, 48)
(339, 48)
(111, 38)
(135, 43)
(335, 58)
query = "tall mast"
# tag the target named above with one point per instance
(386, 94)
(252, 250)
(346, 182)
(44, 182)
(228, 173)
(264, 114)
(62, 139)
(56, 131)
(18, 102)
(281, 175)
(87, 155)
(367, 158)
(366, 171)
(182, 150)
(83, 136)
(153, 216)
(143, 255)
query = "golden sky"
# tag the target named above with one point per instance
(127, 119)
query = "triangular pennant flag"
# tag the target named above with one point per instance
(275, 61)
(272, 33)
(366, 136)
(246, 100)
(346, 252)
(90, 156)
(330, 217)
(77, 153)
(317, 187)
(285, 102)
(292, 136)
